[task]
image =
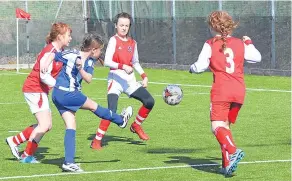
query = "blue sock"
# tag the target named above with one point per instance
(69, 142)
(107, 114)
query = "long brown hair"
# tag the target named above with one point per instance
(221, 22)
(57, 29)
(90, 41)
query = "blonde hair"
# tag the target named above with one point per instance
(57, 29)
(221, 22)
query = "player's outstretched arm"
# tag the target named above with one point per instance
(251, 54)
(203, 61)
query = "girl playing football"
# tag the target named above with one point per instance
(122, 57)
(224, 55)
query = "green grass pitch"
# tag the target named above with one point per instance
(181, 145)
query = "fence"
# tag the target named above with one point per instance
(170, 34)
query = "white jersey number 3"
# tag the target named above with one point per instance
(229, 59)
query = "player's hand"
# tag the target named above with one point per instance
(244, 38)
(44, 70)
(44, 67)
(127, 69)
(78, 63)
(145, 82)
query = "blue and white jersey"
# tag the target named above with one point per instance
(69, 78)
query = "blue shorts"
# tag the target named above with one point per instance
(68, 101)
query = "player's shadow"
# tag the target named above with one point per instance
(59, 161)
(39, 154)
(202, 164)
(109, 138)
(42, 152)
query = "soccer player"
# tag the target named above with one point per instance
(224, 55)
(122, 56)
(68, 98)
(35, 89)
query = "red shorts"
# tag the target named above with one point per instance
(224, 111)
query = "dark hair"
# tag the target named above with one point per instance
(91, 41)
(57, 29)
(222, 22)
(122, 15)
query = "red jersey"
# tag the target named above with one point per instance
(124, 51)
(228, 70)
(33, 83)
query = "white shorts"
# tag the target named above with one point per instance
(121, 82)
(37, 102)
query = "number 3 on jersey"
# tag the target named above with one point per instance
(229, 59)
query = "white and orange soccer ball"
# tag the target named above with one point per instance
(172, 95)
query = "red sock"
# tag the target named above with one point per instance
(224, 137)
(142, 115)
(23, 136)
(31, 148)
(103, 126)
(225, 157)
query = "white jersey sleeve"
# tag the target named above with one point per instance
(203, 61)
(251, 54)
(135, 61)
(110, 50)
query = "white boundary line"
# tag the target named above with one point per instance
(135, 169)
(208, 86)
(186, 85)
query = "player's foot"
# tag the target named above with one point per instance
(135, 128)
(96, 144)
(13, 147)
(28, 159)
(126, 114)
(71, 167)
(235, 158)
(222, 170)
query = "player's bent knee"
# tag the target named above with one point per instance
(45, 128)
(149, 102)
(216, 124)
(90, 105)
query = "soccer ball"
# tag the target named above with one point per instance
(172, 95)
